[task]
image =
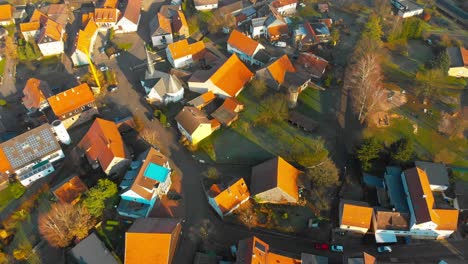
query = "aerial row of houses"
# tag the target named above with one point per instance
(412, 203)
(46, 27)
(273, 181)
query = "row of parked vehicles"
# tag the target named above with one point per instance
(340, 248)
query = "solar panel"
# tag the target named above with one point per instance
(30, 146)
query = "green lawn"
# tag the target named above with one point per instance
(276, 138)
(12, 192)
(428, 143)
(2, 66)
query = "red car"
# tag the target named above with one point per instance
(321, 246)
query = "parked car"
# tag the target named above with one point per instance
(337, 248)
(112, 88)
(102, 49)
(280, 44)
(384, 249)
(321, 246)
(103, 67)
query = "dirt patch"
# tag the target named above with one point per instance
(392, 99)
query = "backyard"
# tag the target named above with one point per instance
(248, 143)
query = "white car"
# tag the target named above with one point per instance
(103, 68)
(383, 249)
(280, 44)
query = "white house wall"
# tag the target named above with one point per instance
(206, 7)
(126, 26)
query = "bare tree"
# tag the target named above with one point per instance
(10, 48)
(220, 21)
(382, 7)
(365, 81)
(247, 215)
(63, 223)
(150, 136)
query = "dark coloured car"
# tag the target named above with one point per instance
(321, 246)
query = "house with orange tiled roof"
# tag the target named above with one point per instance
(147, 180)
(202, 100)
(226, 81)
(194, 125)
(274, 73)
(168, 25)
(152, 240)
(106, 18)
(225, 200)
(36, 93)
(130, 18)
(70, 190)
(285, 7)
(458, 62)
(355, 216)
(431, 216)
(103, 147)
(47, 33)
(275, 181)
(245, 47)
(6, 15)
(74, 106)
(253, 250)
(308, 34)
(182, 54)
(84, 43)
(228, 112)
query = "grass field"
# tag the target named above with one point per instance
(12, 192)
(2, 66)
(245, 142)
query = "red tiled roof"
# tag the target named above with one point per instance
(70, 191)
(464, 53)
(281, 3)
(242, 42)
(34, 93)
(71, 99)
(230, 197)
(232, 76)
(6, 12)
(106, 15)
(132, 11)
(103, 143)
(279, 68)
(182, 48)
(312, 64)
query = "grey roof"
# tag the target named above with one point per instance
(154, 225)
(320, 28)
(408, 5)
(436, 172)
(258, 22)
(461, 188)
(30, 146)
(456, 59)
(313, 259)
(263, 56)
(190, 118)
(396, 192)
(295, 79)
(163, 83)
(91, 250)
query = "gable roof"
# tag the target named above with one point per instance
(242, 42)
(161, 25)
(6, 12)
(232, 76)
(202, 100)
(110, 3)
(103, 143)
(71, 99)
(29, 26)
(35, 92)
(83, 42)
(392, 220)
(93, 251)
(106, 15)
(229, 197)
(182, 48)
(281, 3)
(279, 68)
(51, 31)
(151, 172)
(275, 173)
(356, 214)
(152, 240)
(312, 64)
(423, 201)
(70, 190)
(132, 11)
(250, 247)
(178, 21)
(190, 118)
(27, 147)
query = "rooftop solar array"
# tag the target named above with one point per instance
(30, 146)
